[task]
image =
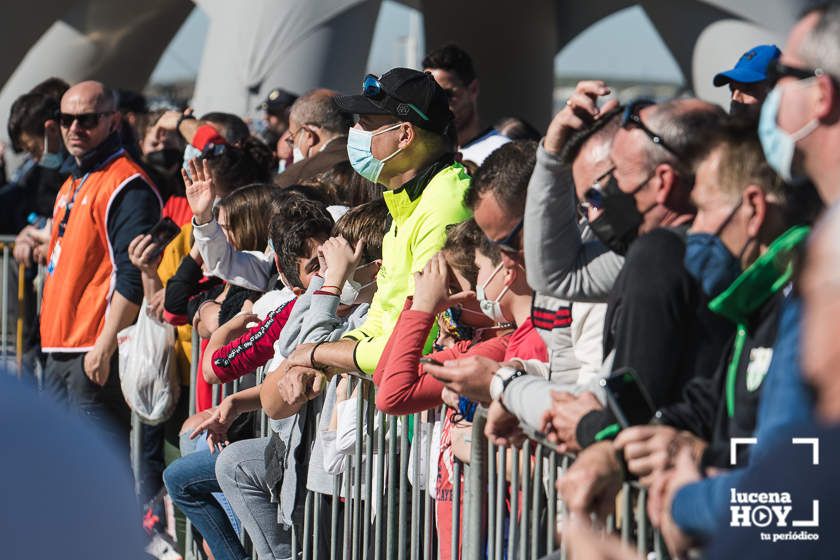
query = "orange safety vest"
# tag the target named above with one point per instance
(80, 272)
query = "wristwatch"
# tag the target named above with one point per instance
(181, 119)
(501, 379)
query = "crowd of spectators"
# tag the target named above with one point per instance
(641, 284)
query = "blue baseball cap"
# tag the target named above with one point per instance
(751, 67)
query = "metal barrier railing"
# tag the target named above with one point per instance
(9, 313)
(504, 501)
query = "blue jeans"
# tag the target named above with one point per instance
(189, 446)
(191, 483)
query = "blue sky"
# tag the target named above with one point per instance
(624, 45)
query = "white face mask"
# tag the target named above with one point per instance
(780, 146)
(492, 308)
(297, 155)
(351, 289)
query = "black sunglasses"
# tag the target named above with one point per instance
(777, 71)
(86, 120)
(506, 244)
(594, 195)
(372, 89)
(631, 119)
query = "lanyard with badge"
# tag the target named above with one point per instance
(56, 253)
(62, 226)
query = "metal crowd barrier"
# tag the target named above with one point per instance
(11, 343)
(219, 392)
(504, 504)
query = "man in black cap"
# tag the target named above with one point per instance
(403, 139)
(277, 106)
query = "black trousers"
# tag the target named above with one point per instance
(65, 379)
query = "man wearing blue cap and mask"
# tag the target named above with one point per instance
(403, 139)
(749, 82)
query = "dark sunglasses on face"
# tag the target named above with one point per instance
(506, 244)
(777, 70)
(85, 120)
(372, 89)
(594, 196)
(631, 119)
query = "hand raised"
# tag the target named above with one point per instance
(200, 190)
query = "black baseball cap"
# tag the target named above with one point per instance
(277, 101)
(409, 95)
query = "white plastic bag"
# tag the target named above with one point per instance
(148, 376)
(425, 461)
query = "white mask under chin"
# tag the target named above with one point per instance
(297, 155)
(492, 307)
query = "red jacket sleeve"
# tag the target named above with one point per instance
(392, 341)
(402, 385)
(253, 349)
(526, 343)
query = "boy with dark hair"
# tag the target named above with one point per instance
(296, 230)
(274, 466)
(453, 70)
(295, 234)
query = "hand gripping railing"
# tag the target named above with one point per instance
(14, 274)
(504, 504)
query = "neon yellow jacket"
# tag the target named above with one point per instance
(417, 232)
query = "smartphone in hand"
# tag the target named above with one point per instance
(162, 234)
(627, 398)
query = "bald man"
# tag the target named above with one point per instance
(317, 136)
(92, 290)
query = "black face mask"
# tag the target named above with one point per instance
(744, 110)
(618, 226)
(165, 160)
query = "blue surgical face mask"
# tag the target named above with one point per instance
(190, 152)
(709, 261)
(50, 160)
(778, 145)
(361, 158)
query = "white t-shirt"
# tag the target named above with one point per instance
(478, 149)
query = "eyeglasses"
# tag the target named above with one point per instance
(506, 245)
(777, 71)
(631, 119)
(594, 197)
(85, 120)
(372, 89)
(290, 140)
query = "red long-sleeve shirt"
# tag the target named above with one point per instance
(253, 349)
(402, 385)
